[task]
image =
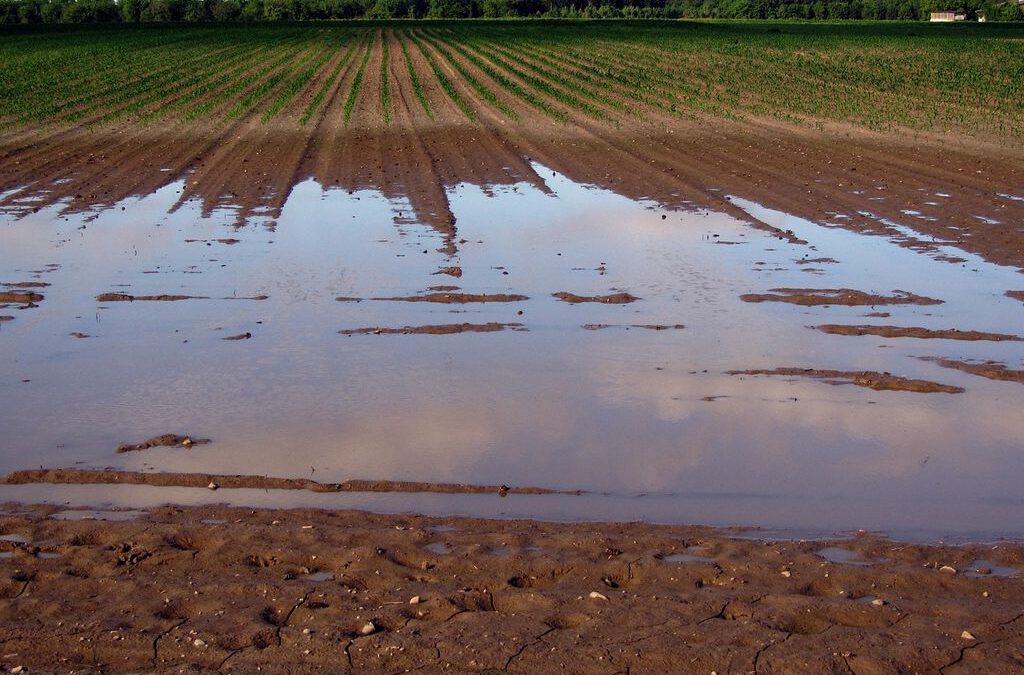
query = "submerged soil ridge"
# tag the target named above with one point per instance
(239, 481)
(235, 590)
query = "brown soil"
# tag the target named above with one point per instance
(26, 284)
(645, 326)
(837, 296)
(215, 481)
(612, 299)
(459, 298)
(1016, 295)
(443, 329)
(79, 335)
(866, 378)
(166, 441)
(207, 589)
(20, 297)
(450, 271)
(993, 370)
(915, 332)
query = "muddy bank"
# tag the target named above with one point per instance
(213, 588)
(216, 481)
(621, 298)
(812, 297)
(441, 329)
(865, 378)
(916, 332)
(1016, 295)
(992, 370)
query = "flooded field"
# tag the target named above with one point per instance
(670, 364)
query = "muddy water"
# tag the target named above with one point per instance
(645, 420)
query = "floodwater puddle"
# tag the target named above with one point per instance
(437, 548)
(318, 577)
(15, 539)
(693, 554)
(844, 556)
(431, 380)
(982, 568)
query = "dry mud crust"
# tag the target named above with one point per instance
(837, 296)
(611, 299)
(441, 329)
(992, 370)
(865, 378)
(216, 481)
(232, 590)
(459, 298)
(916, 332)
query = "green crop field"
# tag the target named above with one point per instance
(968, 78)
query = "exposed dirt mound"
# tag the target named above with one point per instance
(621, 298)
(1016, 295)
(865, 378)
(164, 440)
(913, 332)
(20, 297)
(993, 370)
(837, 296)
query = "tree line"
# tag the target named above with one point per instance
(145, 11)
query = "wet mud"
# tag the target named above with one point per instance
(309, 591)
(812, 297)
(458, 298)
(217, 481)
(917, 332)
(865, 378)
(163, 441)
(992, 370)
(621, 298)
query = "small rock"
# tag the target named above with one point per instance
(212, 485)
(786, 573)
(984, 594)
(187, 442)
(369, 628)
(947, 569)
(966, 635)
(594, 595)
(414, 600)
(19, 669)
(306, 631)
(198, 643)
(878, 602)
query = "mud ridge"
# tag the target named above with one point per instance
(810, 297)
(916, 332)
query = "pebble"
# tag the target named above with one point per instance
(414, 600)
(368, 629)
(787, 573)
(966, 635)
(878, 602)
(947, 569)
(198, 643)
(594, 595)
(212, 485)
